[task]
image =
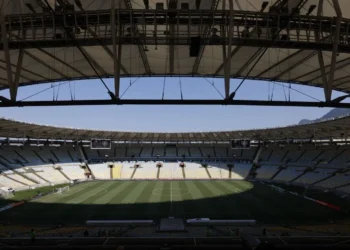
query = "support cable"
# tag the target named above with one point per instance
(212, 84)
(178, 70)
(166, 65)
(131, 83)
(83, 53)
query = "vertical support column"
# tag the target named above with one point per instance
(116, 53)
(171, 49)
(229, 50)
(319, 52)
(336, 34)
(4, 39)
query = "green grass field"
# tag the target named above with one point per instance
(158, 199)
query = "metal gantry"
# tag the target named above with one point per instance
(175, 27)
(296, 31)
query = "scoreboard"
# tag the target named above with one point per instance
(240, 144)
(100, 144)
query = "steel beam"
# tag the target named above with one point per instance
(45, 64)
(206, 33)
(18, 72)
(319, 52)
(174, 102)
(116, 55)
(229, 51)
(336, 35)
(108, 51)
(4, 38)
(172, 50)
(251, 42)
(142, 52)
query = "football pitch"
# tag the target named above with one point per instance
(214, 199)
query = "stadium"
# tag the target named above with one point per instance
(283, 187)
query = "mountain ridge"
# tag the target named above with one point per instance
(334, 113)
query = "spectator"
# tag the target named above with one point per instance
(86, 233)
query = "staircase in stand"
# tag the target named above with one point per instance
(207, 170)
(85, 159)
(13, 179)
(158, 173)
(183, 173)
(62, 173)
(133, 173)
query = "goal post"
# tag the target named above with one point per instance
(62, 190)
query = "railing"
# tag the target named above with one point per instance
(155, 25)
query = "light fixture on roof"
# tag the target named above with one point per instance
(311, 9)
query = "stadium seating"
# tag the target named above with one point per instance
(177, 171)
(50, 174)
(166, 171)
(266, 171)
(214, 170)
(303, 164)
(147, 170)
(128, 170)
(289, 173)
(117, 171)
(101, 171)
(171, 152)
(196, 152)
(224, 170)
(240, 170)
(314, 176)
(183, 151)
(195, 171)
(6, 182)
(335, 181)
(74, 171)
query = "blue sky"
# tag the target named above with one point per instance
(165, 118)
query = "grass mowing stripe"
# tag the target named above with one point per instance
(59, 198)
(259, 209)
(80, 205)
(219, 207)
(177, 200)
(34, 208)
(144, 208)
(164, 206)
(201, 206)
(232, 195)
(109, 192)
(155, 198)
(135, 193)
(86, 209)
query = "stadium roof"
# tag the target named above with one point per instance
(333, 128)
(296, 41)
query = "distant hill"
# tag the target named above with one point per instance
(334, 113)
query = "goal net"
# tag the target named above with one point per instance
(62, 190)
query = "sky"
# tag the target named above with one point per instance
(165, 118)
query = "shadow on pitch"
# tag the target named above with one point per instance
(258, 203)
